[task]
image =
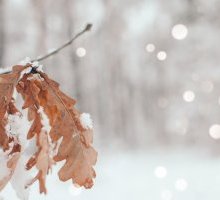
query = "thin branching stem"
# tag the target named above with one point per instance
(55, 51)
(87, 28)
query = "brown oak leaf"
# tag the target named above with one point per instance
(7, 85)
(75, 147)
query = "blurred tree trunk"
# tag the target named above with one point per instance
(76, 71)
(41, 20)
(119, 108)
(2, 32)
(162, 92)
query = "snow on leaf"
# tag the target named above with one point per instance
(7, 85)
(29, 88)
(86, 121)
(26, 61)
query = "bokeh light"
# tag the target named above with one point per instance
(214, 131)
(160, 172)
(161, 55)
(150, 48)
(179, 32)
(188, 96)
(80, 52)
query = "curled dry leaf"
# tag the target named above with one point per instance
(41, 159)
(76, 146)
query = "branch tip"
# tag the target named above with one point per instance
(88, 27)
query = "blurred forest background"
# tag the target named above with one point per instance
(133, 96)
(148, 73)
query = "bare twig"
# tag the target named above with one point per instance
(87, 28)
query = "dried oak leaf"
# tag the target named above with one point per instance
(9, 144)
(7, 85)
(27, 86)
(75, 146)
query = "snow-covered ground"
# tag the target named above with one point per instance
(142, 175)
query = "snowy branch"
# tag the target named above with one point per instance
(87, 28)
(55, 51)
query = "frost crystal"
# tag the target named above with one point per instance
(40, 68)
(46, 127)
(86, 121)
(17, 126)
(44, 120)
(15, 94)
(25, 71)
(36, 64)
